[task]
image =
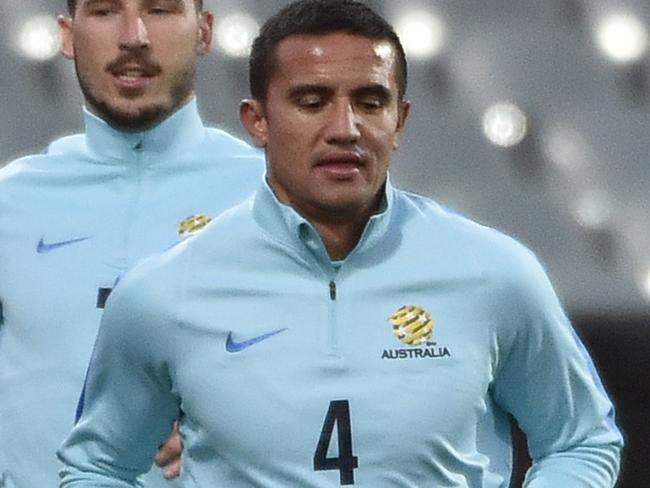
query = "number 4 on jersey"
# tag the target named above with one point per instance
(339, 414)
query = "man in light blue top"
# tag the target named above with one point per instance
(334, 330)
(146, 174)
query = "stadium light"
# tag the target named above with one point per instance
(422, 33)
(38, 38)
(593, 210)
(505, 124)
(645, 285)
(567, 149)
(622, 38)
(235, 34)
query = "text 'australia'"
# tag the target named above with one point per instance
(419, 353)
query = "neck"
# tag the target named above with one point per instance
(340, 238)
(340, 230)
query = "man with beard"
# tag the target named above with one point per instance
(145, 174)
(346, 332)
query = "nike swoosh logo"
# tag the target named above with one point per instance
(44, 247)
(234, 346)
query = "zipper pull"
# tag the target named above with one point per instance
(332, 290)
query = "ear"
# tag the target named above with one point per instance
(403, 109)
(206, 26)
(65, 34)
(252, 117)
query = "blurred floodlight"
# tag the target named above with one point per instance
(593, 211)
(505, 124)
(235, 34)
(566, 148)
(622, 38)
(645, 285)
(38, 38)
(422, 34)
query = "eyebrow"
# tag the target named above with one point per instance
(306, 89)
(375, 89)
(179, 4)
(90, 3)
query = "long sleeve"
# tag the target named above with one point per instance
(127, 407)
(547, 380)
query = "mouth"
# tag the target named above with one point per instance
(133, 76)
(340, 165)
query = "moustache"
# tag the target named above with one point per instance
(131, 61)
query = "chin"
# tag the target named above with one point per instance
(141, 117)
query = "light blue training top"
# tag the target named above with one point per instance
(396, 367)
(72, 220)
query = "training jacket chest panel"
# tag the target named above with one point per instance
(330, 350)
(274, 333)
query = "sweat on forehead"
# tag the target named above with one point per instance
(72, 5)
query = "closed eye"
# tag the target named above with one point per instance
(371, 104)
(310, 97)
(310, 102)
(372, 98)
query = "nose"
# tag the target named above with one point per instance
(134, 32)
(344, 123)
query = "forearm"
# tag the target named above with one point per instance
(582, 467)
(94, 458)
(73, 476)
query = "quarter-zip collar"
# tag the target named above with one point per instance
(282, 223)
(178, 132)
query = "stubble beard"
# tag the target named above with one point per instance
(145, 117)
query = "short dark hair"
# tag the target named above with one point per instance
(318, 17)
(72, 5)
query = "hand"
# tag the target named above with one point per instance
(168, 456)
